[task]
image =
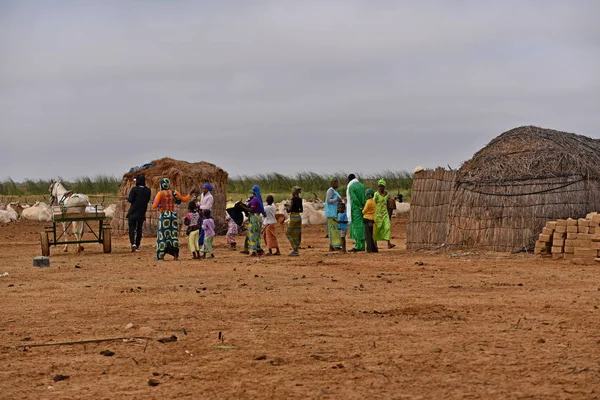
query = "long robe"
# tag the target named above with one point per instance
(253, 233)
(382, 218)
(294, 230)
(331, 205)
(356, 194)
(167, 241)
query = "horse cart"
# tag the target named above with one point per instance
(92, 217)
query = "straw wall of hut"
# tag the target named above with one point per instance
(430, 200)
(506, 193)
(184, 176)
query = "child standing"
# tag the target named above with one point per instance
(232, 231)
(369, 221)
(208, 225)
(342, 223)
(192, 221)
(269, 227)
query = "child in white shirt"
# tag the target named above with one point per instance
(270, 222)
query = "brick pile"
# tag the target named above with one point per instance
(571, 239)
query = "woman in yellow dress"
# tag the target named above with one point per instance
(383, 224)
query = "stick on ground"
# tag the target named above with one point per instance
(80, 342)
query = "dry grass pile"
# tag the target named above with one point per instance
(184, 177)
(530, 153)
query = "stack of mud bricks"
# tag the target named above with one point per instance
(571, 239)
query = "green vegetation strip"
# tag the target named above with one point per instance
(277, 184)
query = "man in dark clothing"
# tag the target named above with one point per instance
(139, 197)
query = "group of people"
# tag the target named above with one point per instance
(200, 224)
(261, 222)
(366, 214)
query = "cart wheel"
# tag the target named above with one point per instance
(45, 244)
(106, 242)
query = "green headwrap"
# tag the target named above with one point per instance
(381, 182)
(332, 179)
(370, 193)
(165, 184)
(296, 190)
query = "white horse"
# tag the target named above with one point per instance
(70, 203)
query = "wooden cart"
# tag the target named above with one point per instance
(94, 215)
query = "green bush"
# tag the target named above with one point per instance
(9, 188)
(310, 182)
(101, 184)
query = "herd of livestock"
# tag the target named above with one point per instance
(39, 211)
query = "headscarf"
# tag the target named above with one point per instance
(296, 190)
(256, 192)
(381, 182)
(165, 184)
(370, 193)
(140, 180)
(332, 179)
(208, 186)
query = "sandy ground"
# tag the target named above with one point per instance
(398, 324)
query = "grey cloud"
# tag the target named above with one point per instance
(287, 85)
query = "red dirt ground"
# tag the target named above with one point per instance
(398, 324)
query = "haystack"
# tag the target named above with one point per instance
(184, 176)
(501, 198)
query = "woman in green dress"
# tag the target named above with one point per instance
(382, 217)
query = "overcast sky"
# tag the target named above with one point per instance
(96, 87)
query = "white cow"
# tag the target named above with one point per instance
(280, 208)
(310, 216)
(4, 218)
(8, 215)
(110, 211)
(18, 207)
(40, 211)
(313, 213)
(401, 208)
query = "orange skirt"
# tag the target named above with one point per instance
(270, 238)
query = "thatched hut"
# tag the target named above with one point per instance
(501, 198)
(184, 176)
